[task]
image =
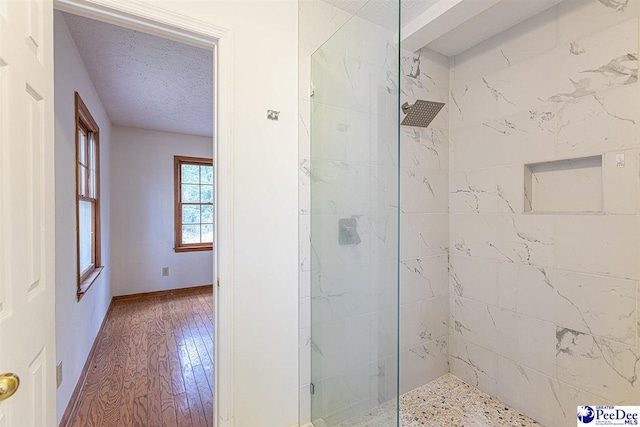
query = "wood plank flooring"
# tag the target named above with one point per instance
(153, 364)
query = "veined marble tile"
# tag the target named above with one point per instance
(600, 244)
(579, 18)
(382, 236)
(339, 134)
(427, 149)
(509, 194)
(367, 42)
(338, 187)
(476, 102)
(304, 284)
(305, 50)
(600, 122)
(621, 183)
(600, 61)
(340, 293)
(383, 334)
(340, 346)
(474, 278)
(384, 285)
(383, 189)
(434, 234)
(306, 256)
(474, 365)
(607, 58)
(423, 278)
(525, 239)
(348, 83)
(350, 394)
(529, 84)
(599, 366)
(518, 337)
(304, 351)
(304, 134)
(526, 40)
(424, 191)
(305, 404)
(423, 363)
(424, 321)
(483, 145)
(304, 187)
(591, 304)
(551, 402)
(409, 235)
(327, 253)
(474, 191)
(425, 75)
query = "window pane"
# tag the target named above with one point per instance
(190, 193)
(190, 234)
(207, 233)
(92, 166)
(207, 194)
(207, 214)
(191, 214)
(82, 141)
(86, 235)
(206, 174)
(82, 180)
(190, 174)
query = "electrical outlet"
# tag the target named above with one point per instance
(165, 271)
(58, 374)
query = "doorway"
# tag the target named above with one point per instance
(150, 101)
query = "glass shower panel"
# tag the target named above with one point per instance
(354, 221)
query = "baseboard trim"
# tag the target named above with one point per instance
(73, 400)
(168, 292)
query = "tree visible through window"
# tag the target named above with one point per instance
(87, 196)
(194, 204)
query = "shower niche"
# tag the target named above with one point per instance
(564, 186)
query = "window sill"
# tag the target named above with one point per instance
(193, 248)
(86, 283)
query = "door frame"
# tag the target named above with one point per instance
(151, 19)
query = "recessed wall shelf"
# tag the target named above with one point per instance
(564, 186)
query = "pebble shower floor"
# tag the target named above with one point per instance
(446, 402)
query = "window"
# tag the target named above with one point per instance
(194, 204)
(87, 197)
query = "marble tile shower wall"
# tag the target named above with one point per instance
(424, 225)
(544, 306)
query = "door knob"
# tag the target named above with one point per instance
(9, 383)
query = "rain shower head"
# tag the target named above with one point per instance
(421, 113)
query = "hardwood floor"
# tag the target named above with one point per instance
(152, 365)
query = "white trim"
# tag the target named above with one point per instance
(160, 22)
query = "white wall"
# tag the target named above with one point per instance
(142, 212)
(77, 322)
(265, 203)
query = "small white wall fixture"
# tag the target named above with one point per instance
(163, 23)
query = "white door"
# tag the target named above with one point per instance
(27, 343)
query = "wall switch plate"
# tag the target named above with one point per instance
(58, 374)
(620, 160)
(165, 271)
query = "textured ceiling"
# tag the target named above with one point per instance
(382, 11)
(146, 81)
